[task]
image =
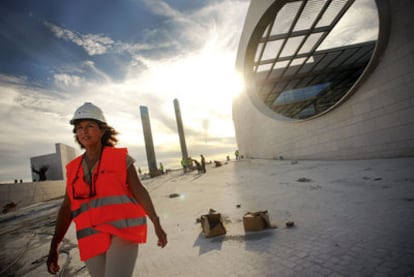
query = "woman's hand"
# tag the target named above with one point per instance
(62, 224)
(52, 262)
(162, 236)
(143, 198)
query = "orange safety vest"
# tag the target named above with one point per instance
(112, 210)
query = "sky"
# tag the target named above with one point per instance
(119, 55)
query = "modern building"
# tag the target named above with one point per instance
(52, 166)
(326, 79)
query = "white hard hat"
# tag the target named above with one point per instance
(88, 111)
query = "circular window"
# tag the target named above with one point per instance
(311, 53)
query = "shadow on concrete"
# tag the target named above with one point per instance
(251, 240)
(208, 244)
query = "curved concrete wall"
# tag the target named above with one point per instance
(376, 121)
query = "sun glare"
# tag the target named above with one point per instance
(204, 82)
(208, 76)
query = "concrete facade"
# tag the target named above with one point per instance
(54, 162)
(180, 129)
(375, 121)
(149, 143)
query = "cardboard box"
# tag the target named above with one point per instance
(212, 225)
(256, 221)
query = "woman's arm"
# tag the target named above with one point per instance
(63, 221)
(142, 196)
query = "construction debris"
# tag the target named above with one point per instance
(212, 224)
(304, 180)
(217, 163)
(256, 221)
(290, 224)
(9, 207)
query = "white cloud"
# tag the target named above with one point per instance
(66, 80)
(94, 44)
(359, 24)
(162, 8)
(189, 30)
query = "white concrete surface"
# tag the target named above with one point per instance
(353, 218)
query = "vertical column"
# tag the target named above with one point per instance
(149, 145)
(180, 129)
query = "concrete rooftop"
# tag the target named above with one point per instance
(352, 218)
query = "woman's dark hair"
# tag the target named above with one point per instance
(108, 138)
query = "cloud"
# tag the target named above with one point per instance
(94, 44)
(65, 80)
(31, 125)
(188, 31)
(359, 24)
(98, 44)
(162, 8)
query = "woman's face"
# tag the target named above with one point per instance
(88, 133)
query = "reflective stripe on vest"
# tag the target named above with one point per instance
(123, 223)
(100, 202)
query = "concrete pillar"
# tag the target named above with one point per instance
(149, 145)
(180, 129)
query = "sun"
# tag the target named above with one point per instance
(205, 83)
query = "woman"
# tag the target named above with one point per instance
(106, 199)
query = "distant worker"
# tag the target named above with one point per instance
(162, 168)
(237, 153)
(184, 164)
(203, 164)
(198, 166)
(106, 200)
(41, 172)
